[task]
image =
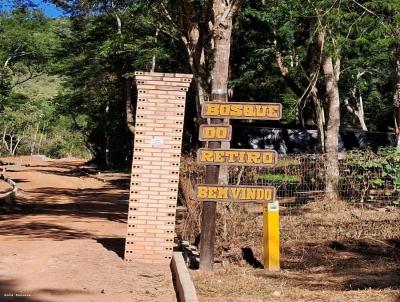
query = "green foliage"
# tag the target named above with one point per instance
(65, 141)
(280, 178)
(288, 28)
(97, 60)
(29, 118)
(379, 169)
(65, 81)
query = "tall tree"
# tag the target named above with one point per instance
(27, 47)
(105, 43)
(205, 28)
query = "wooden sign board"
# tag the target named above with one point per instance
(220, 133)
(243, 111)
(237, 157)
(235, 193)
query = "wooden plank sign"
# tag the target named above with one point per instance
(215, 133)
(237, 157)
(243, 111)
(235, 193)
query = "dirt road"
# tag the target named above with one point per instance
(66, 243)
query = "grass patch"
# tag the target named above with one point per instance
(279, 177)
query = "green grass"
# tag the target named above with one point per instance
(42, 87)
(280, 177)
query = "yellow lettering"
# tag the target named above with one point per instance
(236, 110)
(235, 193)
(248, 110)
(268, 158)
(212, 192)
(219, 156)
(221, 132)
(250, 194)
(242, 157)
(261, 111)
(267, 194)
(206, 156)
(275, 111)
(242, 194)
(231, 156)
(253, 158)
(208, 132)
(212, 109)
(224, 110)
(260, 194)
(222, 193)
(202, 192)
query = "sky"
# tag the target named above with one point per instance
(49, 9)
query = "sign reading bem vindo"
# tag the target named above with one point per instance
(242, 157)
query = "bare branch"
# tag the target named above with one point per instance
(167, 14)
(21, 54)
(365, 8)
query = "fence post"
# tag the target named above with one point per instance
(271, 236)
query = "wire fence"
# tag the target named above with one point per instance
(369, 189)
(365, 177)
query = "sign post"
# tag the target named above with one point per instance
(208, 217)
(271, 236)
(211, 192)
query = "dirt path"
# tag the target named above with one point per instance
(67, 242)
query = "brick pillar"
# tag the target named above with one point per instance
(155, 166)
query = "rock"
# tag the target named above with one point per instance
(276, 294)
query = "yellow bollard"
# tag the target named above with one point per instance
(271, 236)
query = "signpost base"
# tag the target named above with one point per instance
(271, 236)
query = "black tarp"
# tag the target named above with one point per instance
(295, 141)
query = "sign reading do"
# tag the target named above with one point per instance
(211, 133)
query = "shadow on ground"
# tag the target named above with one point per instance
(345, 265)
(116, 245)
(107, 202)
(42, 230)
(10, 292)
(91, 203)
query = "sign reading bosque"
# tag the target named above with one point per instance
(237, 157)
(235, 193)
(259, 111)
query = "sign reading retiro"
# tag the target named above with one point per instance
(237, 157)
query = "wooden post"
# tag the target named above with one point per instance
(271, 236)
(216, 110)
(208, 216)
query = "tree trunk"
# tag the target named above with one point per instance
(107, 138)
(153, 61)
(360, 113)
(41, 139)
(220, 72)
(395, 59)
(357, 109)
(319, 120)
(130, 118)
(222, 31)
(315, 55)
(311, 91)
(14, 150)
(33, 144)
(331, 74)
